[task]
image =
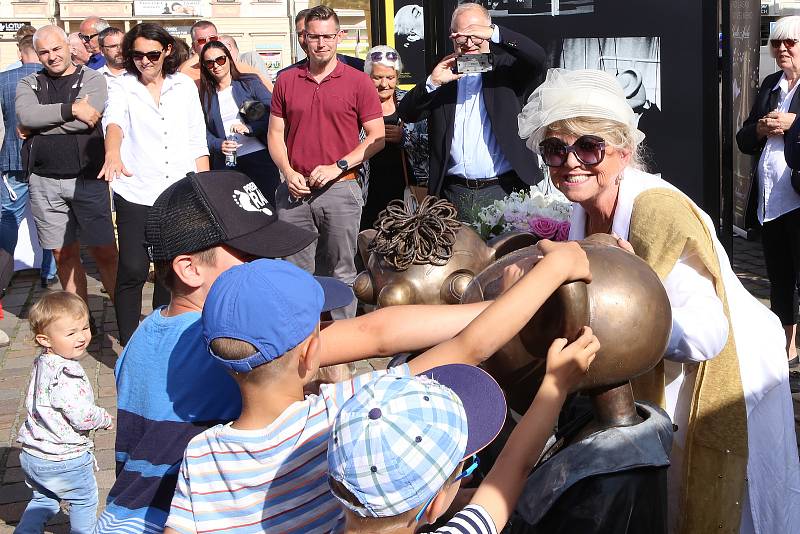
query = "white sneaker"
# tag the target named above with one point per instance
(4, 339)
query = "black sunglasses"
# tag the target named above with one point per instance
(377, 56)
(788, 43)
(221, 60)
(87, 38)
(152, 57)
(588, 149)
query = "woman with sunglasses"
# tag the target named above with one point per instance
(223, 91)
(405, 155)
(772, 202)
(724, 379)
(154, 135)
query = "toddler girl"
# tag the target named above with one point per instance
(56, 450)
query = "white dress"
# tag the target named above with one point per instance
(700, 330)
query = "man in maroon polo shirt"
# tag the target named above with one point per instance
(318, 109)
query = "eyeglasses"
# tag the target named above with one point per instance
(377, 56)
(111, 47)
(203, 40)
(152, 57)
(321, 36)
(87, 38)
(462, 39)
(588, 149)
(788, 43)
(464, 474)
(221, 60)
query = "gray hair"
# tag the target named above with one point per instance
(397, 64)
(786, 28)
(50, 28)
(469, 6)
(101, 25)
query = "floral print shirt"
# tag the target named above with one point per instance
(61, 410)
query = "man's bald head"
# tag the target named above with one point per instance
(230, 43)
(52, 47)
(89, 30)
(80, 55)
(51, 30)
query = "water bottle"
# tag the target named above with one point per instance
(230, 159)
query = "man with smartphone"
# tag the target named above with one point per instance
(476, 154)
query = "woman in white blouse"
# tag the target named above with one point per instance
(155, 135)
(776, 202)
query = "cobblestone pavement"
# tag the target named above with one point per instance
(16, 359)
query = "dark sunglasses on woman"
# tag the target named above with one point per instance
(152, 57)
(221, 60)
(588, 149)
(377, 56)
(788, 43)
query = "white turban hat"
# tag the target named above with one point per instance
(567, 94)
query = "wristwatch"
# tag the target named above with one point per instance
(343, 165)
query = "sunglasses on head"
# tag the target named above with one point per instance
(788, 43)
(377, 56)
(152, 57)
(588, 149)
(203, 40)
(221, 60)
(87, 38)
(465, 473)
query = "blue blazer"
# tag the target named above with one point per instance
(248, 87)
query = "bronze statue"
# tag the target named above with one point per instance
(606, 470)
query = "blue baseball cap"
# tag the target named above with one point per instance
(271, 304)
(395, 443)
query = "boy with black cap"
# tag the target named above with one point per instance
(267, 471)
(168, 389)
(399, 448)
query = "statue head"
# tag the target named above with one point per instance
(424, 255)
(625, 305)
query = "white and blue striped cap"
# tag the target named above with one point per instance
(398, 439)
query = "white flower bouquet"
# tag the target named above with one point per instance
(544, 215)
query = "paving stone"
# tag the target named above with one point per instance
(13, 474)
(16, 492)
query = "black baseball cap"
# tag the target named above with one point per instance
(211, 208)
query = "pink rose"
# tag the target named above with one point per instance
(563, 231)
(543, 227)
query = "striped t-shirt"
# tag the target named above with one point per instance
(473, 519)
(273, 479)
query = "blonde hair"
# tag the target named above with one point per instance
(53, 307)
(236, 349)
(615, 134)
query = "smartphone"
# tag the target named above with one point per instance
(471, 63)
